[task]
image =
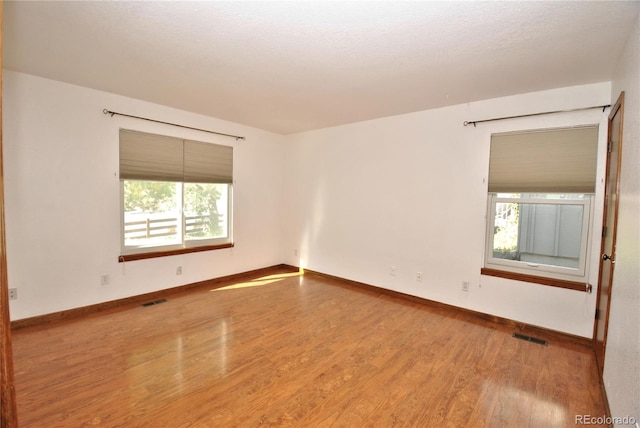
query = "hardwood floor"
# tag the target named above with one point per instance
(295, 350)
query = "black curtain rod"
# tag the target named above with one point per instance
(474, 122)
(237, 137)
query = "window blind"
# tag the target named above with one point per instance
(550, 161)
(146, 156)
(207, 163)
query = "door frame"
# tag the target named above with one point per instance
(618, 108)
(8, 412)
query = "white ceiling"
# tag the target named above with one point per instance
(294, 66)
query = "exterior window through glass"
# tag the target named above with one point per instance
(174, 215)
(540, 231)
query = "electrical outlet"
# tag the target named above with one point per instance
(13, 294)
(393, 270)
(295, 252)
(465, 285)
(419, 276)
(179, 270)
(104, 279)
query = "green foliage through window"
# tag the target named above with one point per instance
(149, 196)
(505, 239)
(169, 213)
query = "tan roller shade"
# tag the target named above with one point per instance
(146, 156)
(150, 157)
(551, 161)
(207, 163)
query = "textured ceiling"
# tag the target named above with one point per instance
(294, 66)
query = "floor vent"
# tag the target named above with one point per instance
(530, 339)
(155, 302)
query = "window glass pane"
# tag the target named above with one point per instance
(152, 213)
(548, 234)
(206, 208)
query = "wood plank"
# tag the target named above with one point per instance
(536, 279)
(296, 350)
(8, 416)
(524, 328)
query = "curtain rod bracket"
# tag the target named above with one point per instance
(112, 113)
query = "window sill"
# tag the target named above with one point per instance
(154, 254)
(543, 280)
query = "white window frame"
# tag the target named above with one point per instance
(184, 244)
(201, 242)
(558, 272)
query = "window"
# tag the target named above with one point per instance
(176, 194)
(546, 233)
(541, 187)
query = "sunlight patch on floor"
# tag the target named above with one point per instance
(543, 413)
(281, 275)
(265, 280)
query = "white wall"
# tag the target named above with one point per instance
(410, 191)
(407, 191)
(622, 359)
(62, 197)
